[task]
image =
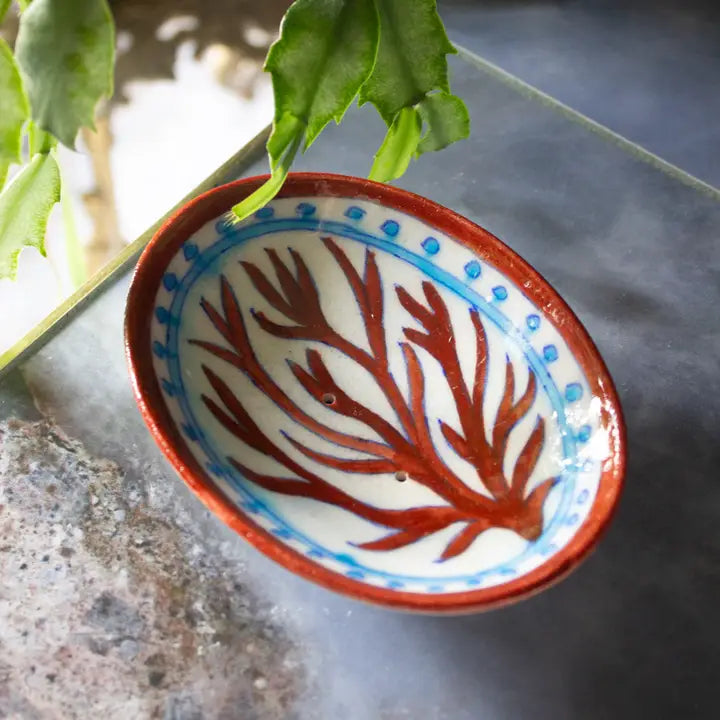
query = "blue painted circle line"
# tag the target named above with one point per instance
(234, 236)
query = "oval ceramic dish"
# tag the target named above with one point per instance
(376, 393)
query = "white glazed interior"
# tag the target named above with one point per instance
(575, 445)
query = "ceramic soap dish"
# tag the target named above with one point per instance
(376, 393)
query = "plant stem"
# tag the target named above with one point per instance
(271, 187)
(39, 141)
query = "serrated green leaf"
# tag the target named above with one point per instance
(399, 146)
(4, 5)
(14, 108)
(325, 52)
(65, 49)
(411, 59)
(25, 206)
(447, 120)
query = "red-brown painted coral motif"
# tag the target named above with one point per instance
(403, 448)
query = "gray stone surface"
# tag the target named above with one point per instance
(110, 608)
(633, 633)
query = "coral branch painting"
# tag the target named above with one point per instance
(403, 448)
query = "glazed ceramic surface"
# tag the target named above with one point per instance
(377, 393)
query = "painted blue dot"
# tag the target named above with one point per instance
(473, 269)
(281, 533)
(305, 209)
(190, 432)
(507, 571)
(314, 554)
(190, 250)
(436, 588)
(168, 387)
(584, 433)
(159, 349)
(550, 353)
(573, 519)
(533, 322)
(474, 582)
(430, 245)
(170, 281)
(583, 497)
(224, 225)
(354, 213)
(500, 292)
(162, 315)
(265, 212)
(356, 574)
(395, 584)
(390, 227)
(346, 559)
(214, 468)
(573, 392)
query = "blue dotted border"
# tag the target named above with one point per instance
(232, 235)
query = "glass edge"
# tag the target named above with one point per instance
(606, 133)
(45, 330)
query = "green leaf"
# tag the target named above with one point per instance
(447, 121)
(411, 59)
(399, 146)
(4, 5)
(65, 49)
(325, 52)
(25, 206)
(14, 112)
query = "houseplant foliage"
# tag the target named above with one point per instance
(49, 87)
(388, 53)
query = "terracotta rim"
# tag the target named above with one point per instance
(195, 214)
